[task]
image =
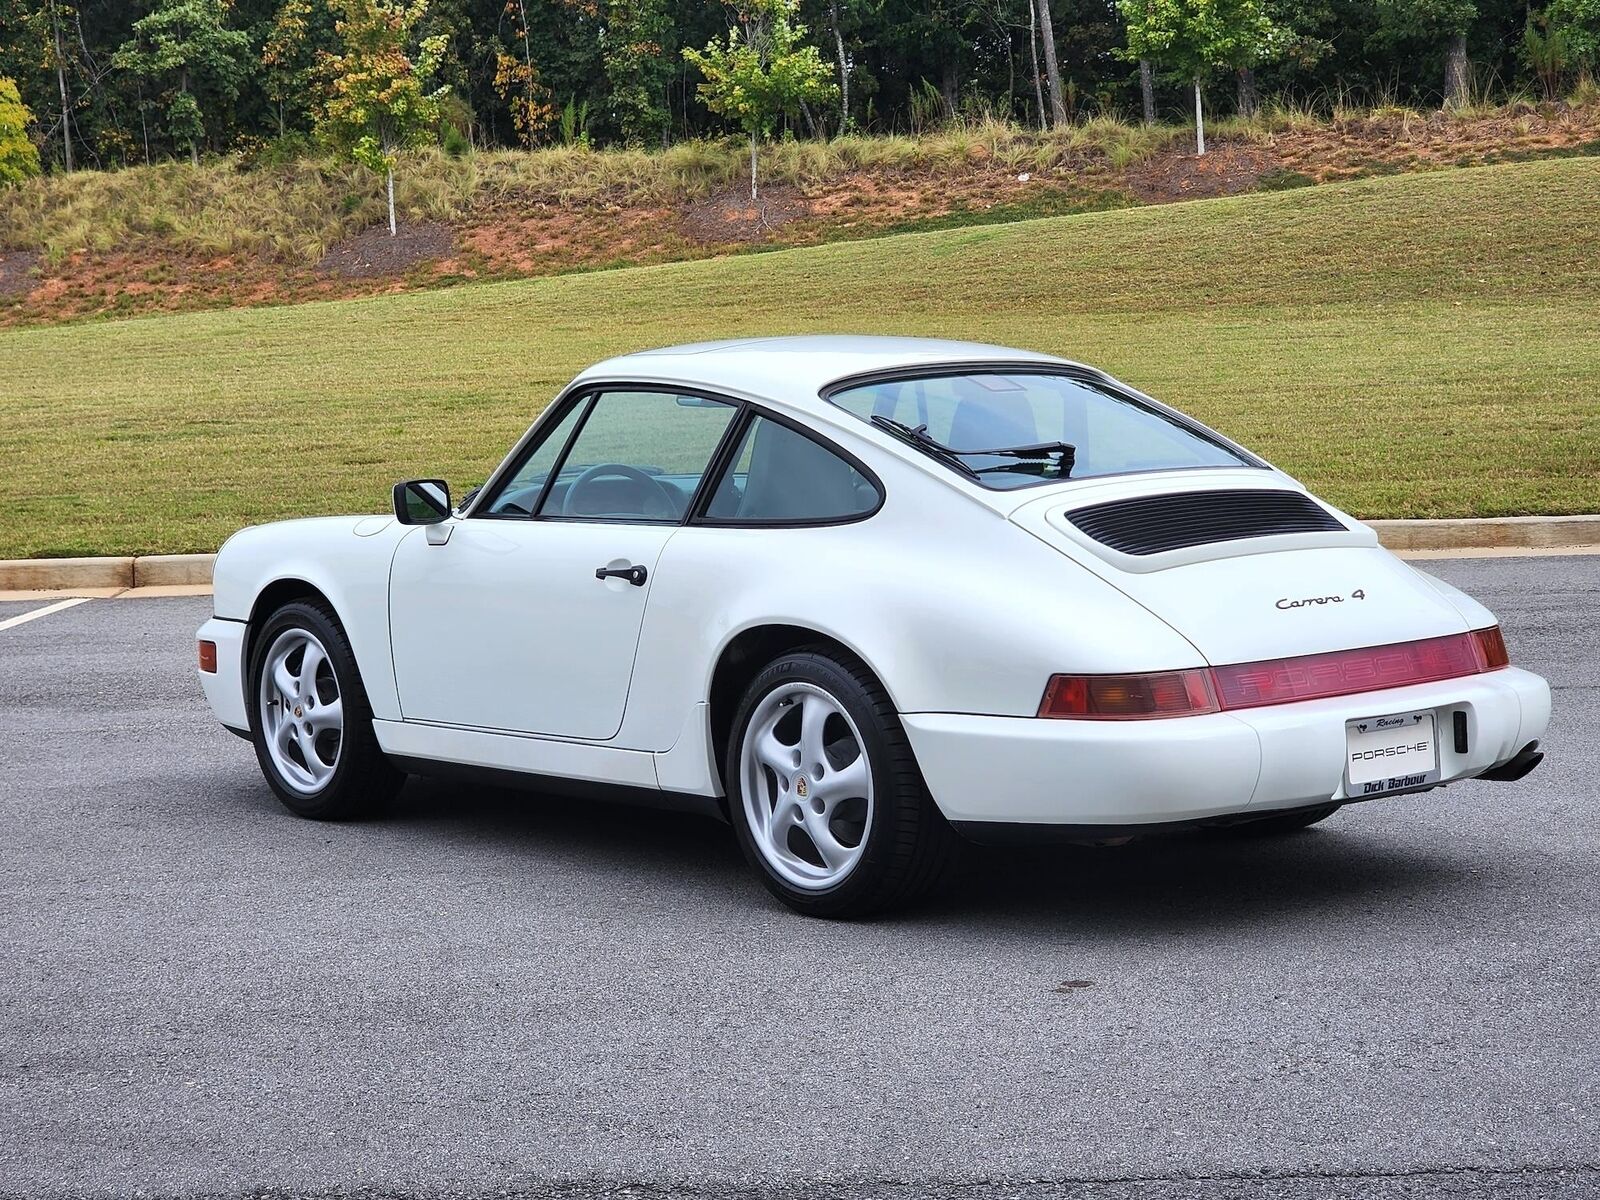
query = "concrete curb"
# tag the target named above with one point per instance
(64, 574)
(1508, 534)
(1503, 533)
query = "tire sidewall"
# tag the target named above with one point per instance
(311, 619)
(865, 879)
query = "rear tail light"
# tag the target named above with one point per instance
(1128, 697)
(208, 657)
(1273, 681)
(1491, 648)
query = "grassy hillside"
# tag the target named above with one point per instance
(1419, 345)
(231, 232)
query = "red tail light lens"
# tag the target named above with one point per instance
(1491, 649)
(1128, 697)
(1273, 681)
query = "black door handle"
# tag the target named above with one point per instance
(634, 575)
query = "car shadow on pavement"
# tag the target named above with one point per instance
(1347, 869)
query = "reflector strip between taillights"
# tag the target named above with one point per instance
(1273, 681)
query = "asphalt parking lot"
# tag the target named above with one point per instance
(492, 994)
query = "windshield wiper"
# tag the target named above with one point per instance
(919, 437)
(1064, 453)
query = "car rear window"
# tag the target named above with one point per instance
(1109, 433)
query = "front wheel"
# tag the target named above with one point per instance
(310, 720)
(825, 793)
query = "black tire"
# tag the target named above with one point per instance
(907, 846)
(363, 779)
(1289, 822)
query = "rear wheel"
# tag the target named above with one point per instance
(825, 793)
(310, 720)
(1289, 822)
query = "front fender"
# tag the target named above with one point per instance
(346, 560)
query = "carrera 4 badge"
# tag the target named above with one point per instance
(1286, 603)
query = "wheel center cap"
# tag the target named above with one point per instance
(297, 710)
(801, 786)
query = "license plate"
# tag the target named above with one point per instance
(1390, 754)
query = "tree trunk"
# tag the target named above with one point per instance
(1052, 71)
(1249, 98)
(844, 70)
(1147, 91)
(144, 126)
(194, 149)
(949, 85)
(392, 229)
(61, 82)
(1033, 49)
(1199, 121)
(1457, 72)
(752, 165)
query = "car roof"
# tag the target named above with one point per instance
(793, 370)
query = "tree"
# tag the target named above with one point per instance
(637, 67)
(1052, 68)
(19, 157)
(57, 56)
(287, 61)
(376, 104)
(185, 45)
(761, 72)
(1432, 22)
(1577, 24)
(1194, 38)
(517, 81)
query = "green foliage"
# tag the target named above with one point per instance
(575, 123)
(19, 157)
(1546, 53)
(639, 68)
(1427, 21)
(185, 48)
(1577, 23)
(1194, 38)
(376, 101)
(761, 71)
(289, 56)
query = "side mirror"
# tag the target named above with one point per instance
(421, 501)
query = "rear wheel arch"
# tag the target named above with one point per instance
(744, 657)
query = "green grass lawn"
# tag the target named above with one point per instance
(1419, 345)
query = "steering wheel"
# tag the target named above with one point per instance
(652, 492)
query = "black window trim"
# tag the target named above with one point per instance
(1062, 370)
(721, 460)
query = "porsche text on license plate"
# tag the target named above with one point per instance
(1390, 753)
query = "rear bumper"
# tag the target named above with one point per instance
(1110, 773)
(225, 689)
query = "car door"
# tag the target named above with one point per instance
(525, 616)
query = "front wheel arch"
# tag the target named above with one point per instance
(273, 597)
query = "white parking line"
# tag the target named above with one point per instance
(12, 622)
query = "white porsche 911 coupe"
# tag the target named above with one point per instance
(860, 596)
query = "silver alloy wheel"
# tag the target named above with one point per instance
(807, 786)
(302, 715)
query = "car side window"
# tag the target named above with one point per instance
(520, 494)
(637, 456)
(779, 476)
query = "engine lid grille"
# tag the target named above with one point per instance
(1153, 524)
